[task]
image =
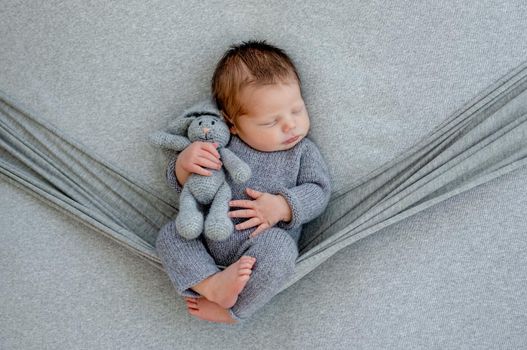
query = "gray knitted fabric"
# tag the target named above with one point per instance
(300, 175)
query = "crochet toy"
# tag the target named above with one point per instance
(203, 122)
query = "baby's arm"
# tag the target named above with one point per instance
(193, 159)
(310, 197)
(289, 207)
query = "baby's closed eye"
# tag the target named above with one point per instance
(271, 123)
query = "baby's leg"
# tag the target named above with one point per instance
(275, 252)
(187, 262)
(194, 272)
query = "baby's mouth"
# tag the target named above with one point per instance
(292, 139)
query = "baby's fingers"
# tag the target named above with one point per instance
(208, 163)
(259, 230)
(244, 213)
(241, 204)
(211, 149)
(196, 169)
(248, 224)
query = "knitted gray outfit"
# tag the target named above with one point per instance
(301, 176)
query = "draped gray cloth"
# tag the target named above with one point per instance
(483, 140)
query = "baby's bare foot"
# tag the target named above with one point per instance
(224, 287)
(209, 311)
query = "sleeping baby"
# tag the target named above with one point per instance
(256, 88)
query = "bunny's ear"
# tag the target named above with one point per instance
(180, 125)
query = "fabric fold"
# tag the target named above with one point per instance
(485, 139)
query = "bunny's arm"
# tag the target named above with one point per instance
(237, 168)
(166, 140)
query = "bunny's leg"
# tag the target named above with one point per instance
(218, 225)
(189, 221)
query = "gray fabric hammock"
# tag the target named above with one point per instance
(487, 138)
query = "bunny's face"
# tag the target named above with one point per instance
(209, 128)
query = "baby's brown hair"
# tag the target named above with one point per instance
(251, 62)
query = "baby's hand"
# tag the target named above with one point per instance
(264, 211)
(195, 158)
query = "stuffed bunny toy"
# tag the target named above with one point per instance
(203, 122)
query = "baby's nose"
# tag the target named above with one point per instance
(290, 124)
(206, 130)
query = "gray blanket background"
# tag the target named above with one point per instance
(377, 78)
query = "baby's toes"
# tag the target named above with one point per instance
(247, 258)
(192, 308)
(246, 265)
(193, 312)
(192, 304)
(245, 272)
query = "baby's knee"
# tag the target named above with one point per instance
(275, 250)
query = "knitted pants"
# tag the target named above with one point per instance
(188, 262)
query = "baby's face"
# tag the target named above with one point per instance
(276, 117)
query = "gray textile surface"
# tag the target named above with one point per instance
(486, 139)
(451, 276)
